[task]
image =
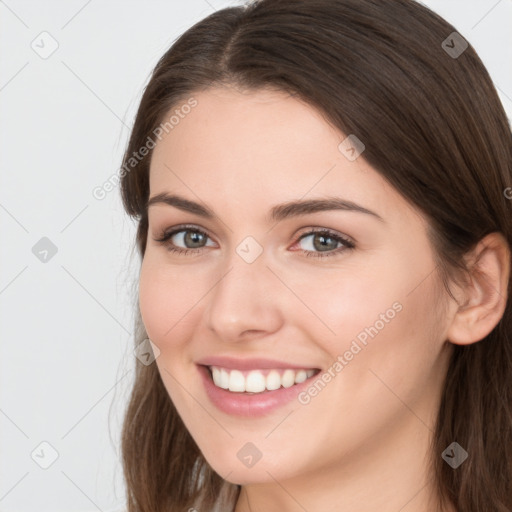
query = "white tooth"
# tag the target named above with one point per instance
(236, 381)
(273, 380)
(255, 382)
(300, 376)
(288, 378)
(224, 379)
(216, 375)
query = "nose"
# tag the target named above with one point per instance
(244, 301)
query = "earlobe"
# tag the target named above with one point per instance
(485, 294)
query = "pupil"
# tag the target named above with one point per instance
(193, 236)
(323, 244)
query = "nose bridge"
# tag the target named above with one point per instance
(241, 299)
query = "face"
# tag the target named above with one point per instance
(324, 314)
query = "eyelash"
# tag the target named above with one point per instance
(166, 235)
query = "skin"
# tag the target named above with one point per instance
(362, 443)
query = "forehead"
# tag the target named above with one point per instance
(259, 148)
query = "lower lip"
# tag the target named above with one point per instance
(249, 405)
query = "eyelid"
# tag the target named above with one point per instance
(315, 229)
(306, 230)
(165, 234)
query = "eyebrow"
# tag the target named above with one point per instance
(277, 213)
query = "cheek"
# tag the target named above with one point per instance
(338, 306)
(389, 310)
(166, 313)
(151, 302)
(170, 300)
(400, 340)
(161, 301)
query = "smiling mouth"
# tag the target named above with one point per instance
(258, 381)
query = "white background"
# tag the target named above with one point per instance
(66, 345)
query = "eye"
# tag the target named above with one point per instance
(187, 235)
(324, 241)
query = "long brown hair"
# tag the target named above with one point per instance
(433, 127)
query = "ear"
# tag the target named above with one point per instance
(485, 297)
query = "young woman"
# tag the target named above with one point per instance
(323, 197)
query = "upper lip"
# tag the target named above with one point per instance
(250, 364)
